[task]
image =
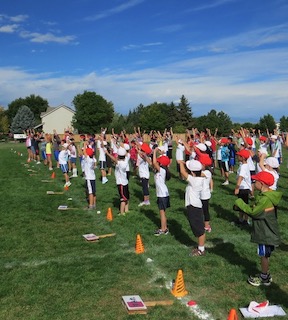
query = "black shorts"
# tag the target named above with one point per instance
(196, 220)
(205, 208)
(91, 187)
(225, 166)
(244, 195)
(169, 153)
(163, 203)
(102, 165)
(252, 172)
(123, 192)
(265, 250)
(145, 186)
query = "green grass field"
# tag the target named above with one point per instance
(48, 271)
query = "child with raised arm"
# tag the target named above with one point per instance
(89, 164)
(162, 174)
(265, 231)
(193, 202)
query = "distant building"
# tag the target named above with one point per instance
(58, 118)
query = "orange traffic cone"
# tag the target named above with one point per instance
(53, 175)
(232, 315)
(179, 287)
(109, 215)
(66, 188)
(139, 246)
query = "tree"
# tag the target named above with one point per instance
(92, 112)
(267, 122)
(35, 103)
(23, 120)
(284, 124)
(4, 123)
(184, 113)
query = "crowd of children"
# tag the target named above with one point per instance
(256, 157)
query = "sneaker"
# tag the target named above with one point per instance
(50, 169)
(144, 203)
(159, 232)
(104, 180)
(89, 208)
(68, 184)
(197, 253)
(258, 281)
(225, 183)
(208, 229)
(38, 162)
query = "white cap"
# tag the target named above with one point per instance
(263, 150)
(194, 165)
(65, 145)
(121, 151)
(274, 137)
(272, 162)
(208, 143)
(161, 149)
(201, 146)
(126, 146)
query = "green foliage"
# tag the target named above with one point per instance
(23, 120)
(184, 113)
(284, 124)
(214, 120)
(267, 122)
(35, 103)
(92, 112)
(4, 123)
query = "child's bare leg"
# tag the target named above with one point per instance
(163, 220)
(264, 265)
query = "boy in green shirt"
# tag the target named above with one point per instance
(265, 231)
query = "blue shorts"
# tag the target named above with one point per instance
(64, 168)
(265, 250)
(163, 203)
(232, 162)
(73, 160)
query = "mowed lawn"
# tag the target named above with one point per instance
(48, 270)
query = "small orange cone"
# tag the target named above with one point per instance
(53, 175)
(139, 246)
(179, 287)
(232, 315)
(66, 188)
(109, 215)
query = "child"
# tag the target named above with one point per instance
(121, 178)
(162, 174)
(73, 158)
(206, 191)
(63, 162)
(243, 184)
(89, 163)
(179, 156)
(225, 152)
(264, 223)
(193, 203)
(271, 165)
(144, 175)
(101, 146)
(49, 150)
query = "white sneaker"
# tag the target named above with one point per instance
(68, 184)
(50, 169)
(225, 183)
(38, 162)
(144, 203)
(104, 180)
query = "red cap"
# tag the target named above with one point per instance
(205, 160)
(224, 140)
(164, 160)
(262, 138)
(145, 148)
(249, 141)
(89, 152)
(244, 153)
(264, 177)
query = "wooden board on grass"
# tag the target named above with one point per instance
(134, 304)
(53, 192)
(91, 237)
(64, 207)
(47, 181)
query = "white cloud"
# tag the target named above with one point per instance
(47, 37)
(9, 28)
(118, 9)
(141, 46)
(212, 4)
(19, 18)
(243, 85)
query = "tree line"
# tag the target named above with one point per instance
(93, 112)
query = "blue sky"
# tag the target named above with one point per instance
(227, 55)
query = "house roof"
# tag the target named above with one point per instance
(53, 109)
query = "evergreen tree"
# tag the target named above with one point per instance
(23, 120)
(184, 113)
(267, 122)
(284, 124)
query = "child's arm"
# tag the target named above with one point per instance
(155, 163)
(259, 207)
(239, 180)
(183, 170)
(110, 155)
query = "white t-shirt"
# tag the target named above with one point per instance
(73, 151)
(219, 156)
(244, 172)
(63, 157)
(120, 172)
(193, 191)
(206, 192)
(143, 168)
(180, 152)
(102, 155)
(161, 188)
(89, 166)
